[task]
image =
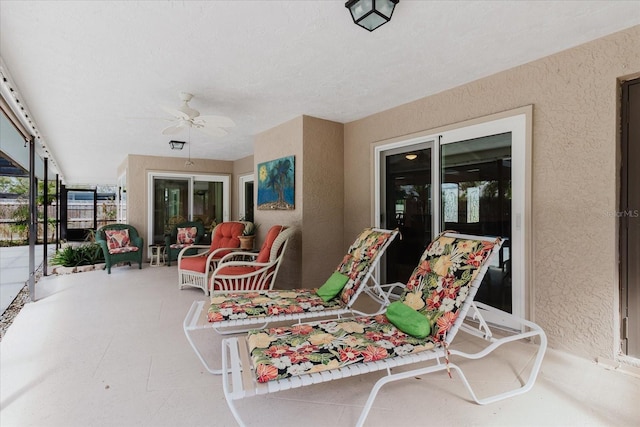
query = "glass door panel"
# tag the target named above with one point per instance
(207, 203)
(170, 205)
(407, 206)
(476, 199)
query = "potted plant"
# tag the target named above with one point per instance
(248, 235)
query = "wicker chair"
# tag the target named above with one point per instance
(173, 244)
(120, 243)
(194, 270)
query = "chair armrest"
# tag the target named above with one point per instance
(138, 242)
(237, 255)
(198, 247)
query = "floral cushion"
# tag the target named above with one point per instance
(187, 235)
(279, 353)
(240, 305)
(441, 281)
(180, 245)
(123, 250)
(356, 262)
(117, 239)
(437, 288)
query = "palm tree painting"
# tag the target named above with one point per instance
(276, 184)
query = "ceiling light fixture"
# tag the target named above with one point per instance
(411, 156)
(176, 145)
(370, 14)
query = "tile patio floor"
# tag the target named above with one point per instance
(109, 350)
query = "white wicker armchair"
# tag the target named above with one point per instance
(249, 271)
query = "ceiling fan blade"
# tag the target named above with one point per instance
(173, 129)
(176, 113)
(212, 131)
(217, 121)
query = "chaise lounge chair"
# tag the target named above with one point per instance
(234, 312)
(416, 330)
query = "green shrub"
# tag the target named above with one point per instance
(80, 255)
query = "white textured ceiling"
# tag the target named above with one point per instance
(93, 73)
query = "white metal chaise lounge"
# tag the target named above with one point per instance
(237, 312)
(436, 303)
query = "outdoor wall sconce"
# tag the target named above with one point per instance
(177, 145)
(370, 14)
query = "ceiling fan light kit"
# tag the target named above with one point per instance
(187, 117)
(176, 145)
(370, 14)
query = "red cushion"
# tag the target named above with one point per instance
(265, 250)
(197, 263)
(236, 270)
(226, 235)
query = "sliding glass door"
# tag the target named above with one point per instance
(476, 199)
(471, 180)
(176, 198)
(407, 206)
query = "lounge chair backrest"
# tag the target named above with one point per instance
(357, 263)
(225, 235)
(443, 281)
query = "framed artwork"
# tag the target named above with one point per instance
(276, 179)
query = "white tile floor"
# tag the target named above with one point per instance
(108, 350)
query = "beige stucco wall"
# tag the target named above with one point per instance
(281, 141)
(323, 205)
(137, 169)
(575, 143)
(317, 246)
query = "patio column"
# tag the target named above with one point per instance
(33, 218)
(45, 218)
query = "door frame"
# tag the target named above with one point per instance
(242, 180)
(519, 123)
(191, 177)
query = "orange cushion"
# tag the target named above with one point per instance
(265, 250)
(236, 270)
(197, 263)
(226, 235)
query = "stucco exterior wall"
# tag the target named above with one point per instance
(317, 247)
(137, 169)
(281, 141)
(575, 143)
(323, 187)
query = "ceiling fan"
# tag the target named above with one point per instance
(187, 117)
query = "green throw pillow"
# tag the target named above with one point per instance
(408, 320)
(332, 286)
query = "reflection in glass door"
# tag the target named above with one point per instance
(408, 208)
(176, 198)
(207, 203)
(476, 199)
(170, 205)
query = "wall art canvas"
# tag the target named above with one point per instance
(276, 190)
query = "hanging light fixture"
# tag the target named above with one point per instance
(370, 14)
(176, 145)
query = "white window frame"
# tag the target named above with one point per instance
(518, 125)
